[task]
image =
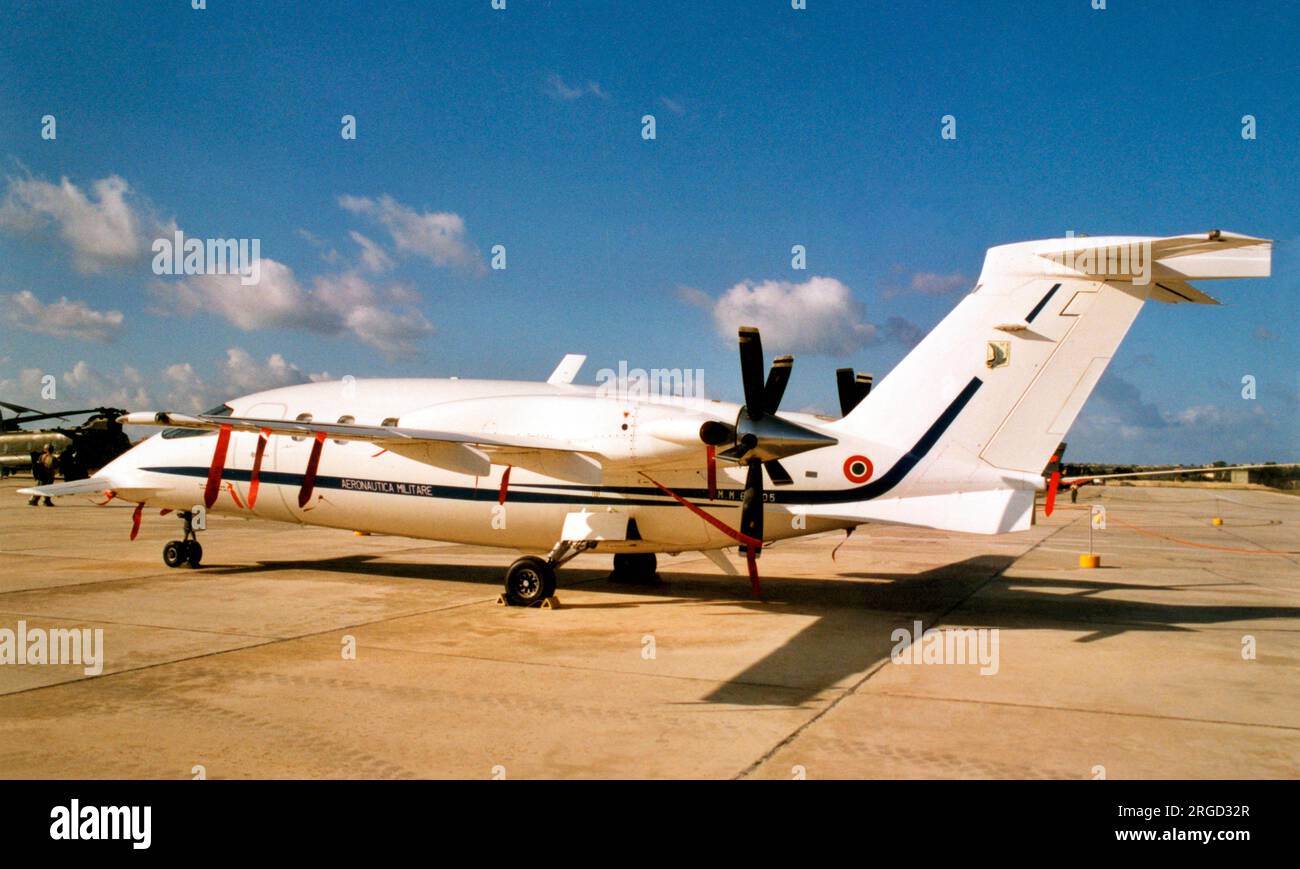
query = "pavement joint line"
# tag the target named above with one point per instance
(853, 689)
(88, 582)
(96, 621)
(929, 698)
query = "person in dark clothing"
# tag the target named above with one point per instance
(44, 467)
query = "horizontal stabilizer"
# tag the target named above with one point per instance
(1139, 259)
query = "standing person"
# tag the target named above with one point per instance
(43, 470)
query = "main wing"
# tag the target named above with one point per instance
(455, 451)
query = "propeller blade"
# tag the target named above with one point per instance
(777, 379)
(852, 388)
(780, 476)
(751, 371)
(18, 408)
(751, 503)
(844, 384)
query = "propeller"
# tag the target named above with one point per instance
(852, 388)
(759, 438)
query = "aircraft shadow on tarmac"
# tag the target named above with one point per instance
(855, 619)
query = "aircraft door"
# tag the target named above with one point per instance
(243, 451)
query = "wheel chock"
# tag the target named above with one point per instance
(1088, 560)
(550, 603)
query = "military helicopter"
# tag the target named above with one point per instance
(81, 449)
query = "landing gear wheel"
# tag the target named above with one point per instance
(174, 553)
(634, 568)
(530, 580)
(193, 553)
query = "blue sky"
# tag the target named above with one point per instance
(522, 127)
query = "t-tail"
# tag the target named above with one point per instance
(974, 412)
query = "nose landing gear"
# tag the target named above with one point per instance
(186, 551)
(530, 581)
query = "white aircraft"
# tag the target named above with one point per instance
(956, 437)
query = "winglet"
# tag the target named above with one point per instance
(567, 369)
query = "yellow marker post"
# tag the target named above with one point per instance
(1096, 521)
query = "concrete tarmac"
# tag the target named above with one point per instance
(1179, 657)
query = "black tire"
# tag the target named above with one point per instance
(174, 553)
(530, 580)
(635, 568)
(193, 553)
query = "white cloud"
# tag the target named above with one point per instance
(87, 385)
(103, 229)
(1118, 424)
(372, 255)
(62, 319)
(436, 235)
(557, 88)
(388, 331)
(178, 387)
(358, 304)
(335, 303)
(24, 389)
(278, 300)
(241, 374)
(819, 315)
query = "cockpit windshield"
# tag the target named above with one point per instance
(219, 410)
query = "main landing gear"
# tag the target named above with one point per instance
(186, 551)
(530, 581)
(634, 568)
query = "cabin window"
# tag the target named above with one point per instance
(390, 422)
(220, 410)
(302, 417)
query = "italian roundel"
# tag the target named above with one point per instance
(858, 469)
